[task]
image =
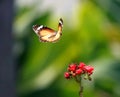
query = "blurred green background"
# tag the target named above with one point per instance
(91, 34)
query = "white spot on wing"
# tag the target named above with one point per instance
(39, 27)
(36, 31)
(60, 22)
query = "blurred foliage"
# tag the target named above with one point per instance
(94, 39)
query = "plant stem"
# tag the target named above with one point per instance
(81, 88)
(79, 81)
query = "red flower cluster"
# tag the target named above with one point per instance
(78, 69)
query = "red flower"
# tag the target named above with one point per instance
(72, 67)
(78, 71)
(81, 65)
(67, 75)
(88, 69)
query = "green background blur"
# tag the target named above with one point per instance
(91, 34)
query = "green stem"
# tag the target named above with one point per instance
(79, 81)
(81, 88)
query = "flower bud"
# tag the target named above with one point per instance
(72, 67)
(81, 65)
(78, 71)
(67, 75)
(89, 69)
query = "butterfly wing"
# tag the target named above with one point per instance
(45, 31)
(47, 34)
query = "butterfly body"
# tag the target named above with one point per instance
(47, 34)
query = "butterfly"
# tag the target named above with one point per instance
(47, 34)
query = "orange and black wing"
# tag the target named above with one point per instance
(45, 31)
(47, 34)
